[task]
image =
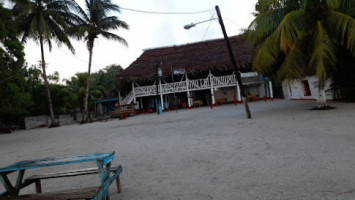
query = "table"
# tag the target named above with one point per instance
(103, 161)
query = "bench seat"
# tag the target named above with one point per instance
(37, 178)
(83, 193)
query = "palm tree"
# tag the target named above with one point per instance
(91, 23)
(77, 88)
(43, 21)
(303, 40)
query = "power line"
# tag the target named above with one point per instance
(204, 35)
(165, 13)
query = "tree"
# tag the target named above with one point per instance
(44, 21)
(92, 23)
(14, 101)
(108, 79)
(77, 88)
(302, 38)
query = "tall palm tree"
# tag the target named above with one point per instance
(304, 40)
(44, 21)
(92, 22)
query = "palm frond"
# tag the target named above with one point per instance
(112, 36)
(108, 6)
(266, 55)
(264, 24)
(323, 54)
(59, 35)
(289, 29)
(112, 22)
(341, 29)
(295, 65)
(334, 4)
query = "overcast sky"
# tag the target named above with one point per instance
(147, 31)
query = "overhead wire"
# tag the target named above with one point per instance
(165, 13)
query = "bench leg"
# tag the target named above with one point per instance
(118, 184)
(38, 186)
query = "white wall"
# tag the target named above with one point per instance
(294, 90)
(257, 90)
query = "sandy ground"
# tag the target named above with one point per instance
(285, 152)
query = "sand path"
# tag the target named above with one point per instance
(285, 152)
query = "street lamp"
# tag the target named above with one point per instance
(188, 26)
(231, 56)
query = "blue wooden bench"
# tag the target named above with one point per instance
(103, 161)
(36, 179)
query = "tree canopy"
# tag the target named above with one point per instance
(302, 37)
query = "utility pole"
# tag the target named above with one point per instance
(231, 56)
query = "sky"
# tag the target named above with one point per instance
(146, 31)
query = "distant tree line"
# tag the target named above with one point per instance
(27, 91)
(28, 96)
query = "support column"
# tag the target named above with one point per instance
(271, 92)
(161, 96)
(212, 92)
(188, 92)
(239, 99)
(134, 94)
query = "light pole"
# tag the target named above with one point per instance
(231, 56)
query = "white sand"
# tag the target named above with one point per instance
(285, 152)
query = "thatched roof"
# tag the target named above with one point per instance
(196, 57)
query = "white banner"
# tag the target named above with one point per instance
(178, 71)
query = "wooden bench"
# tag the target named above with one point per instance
(122, 110)
(197, 103)
(251, 97)
(37, 178)
(83, 193)
(220, 101)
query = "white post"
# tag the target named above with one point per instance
(134, 95)
(161, 96)
(270, 90)
(188, 92)
(212, 93)
(239, 95)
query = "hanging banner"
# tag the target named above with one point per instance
(179, 71)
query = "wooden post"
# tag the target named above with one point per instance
(119, 98)
(118, 184)
(271, 92)
(38, 186)
(141, 104)
(212, 92)
(231, 56)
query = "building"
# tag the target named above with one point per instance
(197, 74)
(307, 89)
